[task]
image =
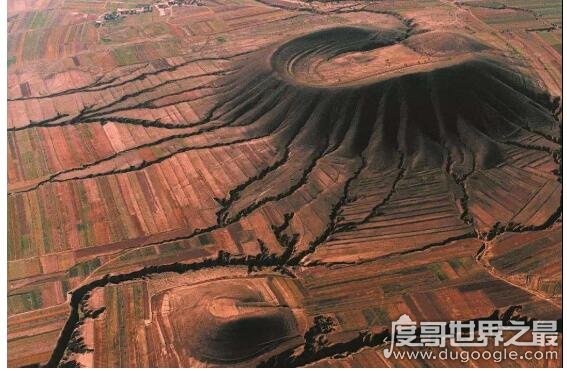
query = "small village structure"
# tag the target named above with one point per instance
(160, 6)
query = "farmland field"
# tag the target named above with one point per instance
(274, 182)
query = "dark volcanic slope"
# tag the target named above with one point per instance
(458, 114)
(466, 107)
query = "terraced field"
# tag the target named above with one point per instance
(272, 183)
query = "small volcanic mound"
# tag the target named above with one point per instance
(244, 337)
(227, 322)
